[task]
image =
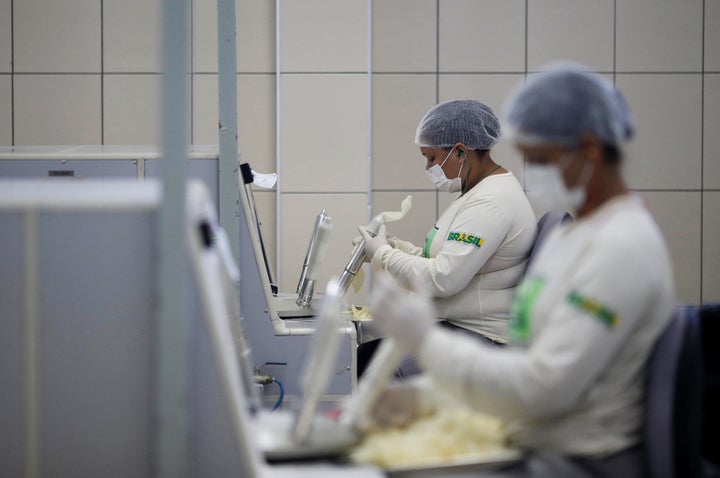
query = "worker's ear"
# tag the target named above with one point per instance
(462, 150)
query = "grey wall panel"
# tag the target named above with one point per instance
(12, 344)
(95, 355)
(203, 169)
(106, 168)
(96, 331)
(213, 440)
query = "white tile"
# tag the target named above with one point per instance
(659, 35)
(404, 36)
(323, 36)
(399, 103)
(132, 36)
(5, 36)
(482, 35)
(711, 127)
(204, 39)
(712, 36)
(256, 120)
(491, 90)
(666, 152)
(57, 36)
(132, 109)
(255, 36)
(324, 133)
(256, 117)
(298, 212)
(421, 218)
(678, 215)
(5, 110)
(57, 109)
(711, 247)
(575, 30)
(205, 109)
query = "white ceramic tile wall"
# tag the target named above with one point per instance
(57, 109)
(711, 127)
(491, 89)
(678, 214)
(205, 109)
(256, 116)
(255, 30)
(256, 120)
(711, 247)
(404, 36)
(399, 102)
(204, 48)
(482, 35)
(131, 37)
(5, 110)
(576, 30)
(323, 36)
(131, 109)
(297, 219)
(421, 218)
(712, 36)
(323, 133)
(5, 36)
(424, 51)
(56, 36)
(659, 35)
(666, 152)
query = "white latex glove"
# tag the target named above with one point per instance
(402, 402)
(398, 404)
(373, 243)
(406, 317)
(392, 240)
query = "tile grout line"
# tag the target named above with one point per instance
(12, 72)
(437, 84)
(702, 149)
(102, 72)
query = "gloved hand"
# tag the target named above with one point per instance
(373, 243)
(392, 240)
(407, 318)
(398, 404)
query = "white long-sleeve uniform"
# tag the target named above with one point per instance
(474, 256)
(584, 322)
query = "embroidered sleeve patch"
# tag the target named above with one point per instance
(466, 238)
(523, 303)
(594, 308)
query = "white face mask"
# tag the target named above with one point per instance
(547, 190)
(438, 178)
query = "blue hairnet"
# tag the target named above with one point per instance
(459, 121)
(564, 102)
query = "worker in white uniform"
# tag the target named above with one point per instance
(477, 251)
(585, 318)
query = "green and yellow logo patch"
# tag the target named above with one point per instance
(466, 238)
(527, 294)
(594, 308)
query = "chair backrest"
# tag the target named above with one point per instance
(547, 223)
(673, 399)
(710, 321)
